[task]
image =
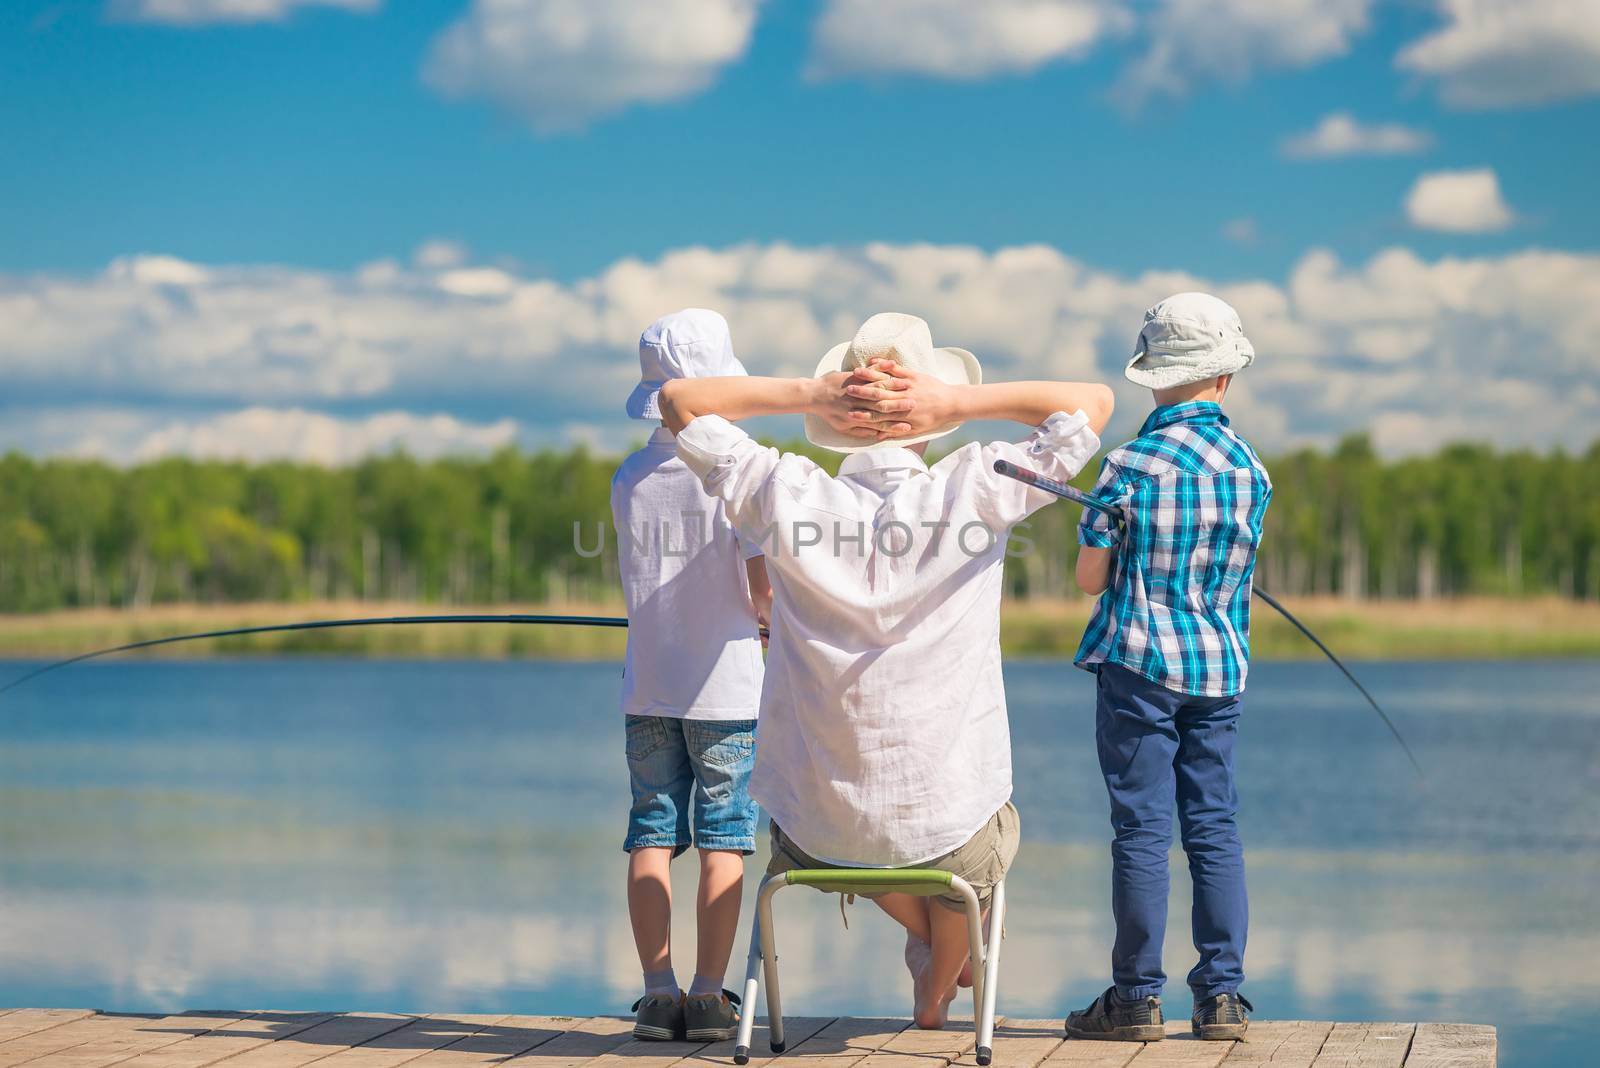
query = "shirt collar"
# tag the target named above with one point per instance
(663, 436)
(1201, 413)
(887, 458)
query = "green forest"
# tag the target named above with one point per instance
(524, 527)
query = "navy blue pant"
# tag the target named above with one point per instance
(1159, 748)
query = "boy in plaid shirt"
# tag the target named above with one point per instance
(1169, 642)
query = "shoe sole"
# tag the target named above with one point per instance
(650, 1033)
(712, 1034)
(1220, 1032)
(1130, 1033)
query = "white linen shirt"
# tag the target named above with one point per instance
(694, 648)
(884, 740)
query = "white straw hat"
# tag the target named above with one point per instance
(692, 343)
(907, 340)
(1189, 337)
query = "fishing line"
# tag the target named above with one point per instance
(1077, 496)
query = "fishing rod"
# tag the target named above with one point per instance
(324, 624)
(1077, 496)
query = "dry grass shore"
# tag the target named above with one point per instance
(1478, 628)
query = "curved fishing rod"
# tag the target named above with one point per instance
(324, 624)
(1077, 496)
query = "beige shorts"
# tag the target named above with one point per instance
(982, 861)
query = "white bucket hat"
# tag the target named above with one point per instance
(1188, 338)
(907, 340)
(693, 343)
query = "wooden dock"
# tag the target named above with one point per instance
(82, 1038)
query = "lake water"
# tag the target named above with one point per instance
(443, 836)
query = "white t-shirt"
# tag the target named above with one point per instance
(884, 739)
(694, 644)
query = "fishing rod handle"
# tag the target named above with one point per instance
(1058, 489)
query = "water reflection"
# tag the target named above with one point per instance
(443, 837)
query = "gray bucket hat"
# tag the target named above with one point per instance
(1189, 337)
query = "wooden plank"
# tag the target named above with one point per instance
(213, 1046)
(500, 1041)
(1443, 1045)
(406, 1044)
(122, 1037)
(916, 1048)
(581, 1042)
(1365, 1045)
(638, 1053)
(1092, 1053)
(1280, 1043)
(75, 1033)
(844, 1042)
(1181, 1049)
(1021, 1044)
(796, 1030)
(20, 1022)
(321, 1041)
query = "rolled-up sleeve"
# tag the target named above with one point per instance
(1059, 448)
(1096, 529)
(734, 468)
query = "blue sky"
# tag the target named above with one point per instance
(322, 139)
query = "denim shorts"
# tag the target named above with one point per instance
(701, 767)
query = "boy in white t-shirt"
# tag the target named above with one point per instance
(696, 597)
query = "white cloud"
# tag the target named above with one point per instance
(1510, 53)
(1341, 134)
(560, 64)
(1461, 202)
(957, 38)
(133, 435)
(439, 253)
(1191, 42)
(209, 12)
(297, 434)
(1419, 348)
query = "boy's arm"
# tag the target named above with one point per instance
(684, 400)
(755, 570)
(880, 401)
(1094, 569)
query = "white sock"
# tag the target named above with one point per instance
(704, 985)
(662, 982)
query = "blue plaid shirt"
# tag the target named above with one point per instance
(1178, 608)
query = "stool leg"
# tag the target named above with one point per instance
(975, 950)
(752, 990)
(769, 960)
(991, 974)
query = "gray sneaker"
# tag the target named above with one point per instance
(711, 1017)
(1223, 1018)
(1111, 1019)
(658, 1018)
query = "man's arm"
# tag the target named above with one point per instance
(1094, 569)
(684, 400)
(881, 402)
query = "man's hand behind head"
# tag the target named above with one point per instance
(898, 402)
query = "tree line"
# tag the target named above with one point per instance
(535, 527)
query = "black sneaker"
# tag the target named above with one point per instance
(658, 1018)
(1222, 1018)
(1112, 1019)
(711, 1017)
